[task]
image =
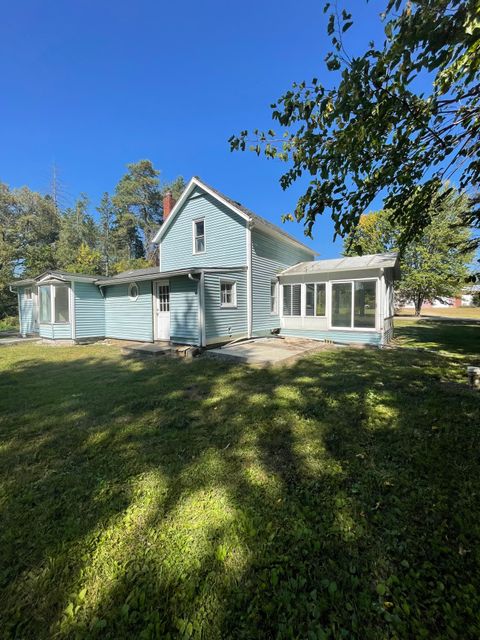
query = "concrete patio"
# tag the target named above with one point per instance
(268, 351)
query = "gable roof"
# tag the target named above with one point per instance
(234, 206)
(56, 274)
(354, 263)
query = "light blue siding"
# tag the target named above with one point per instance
(269, 256)
(224, 232)
(223, 324)
(346, 337)
(89, 311)
(60, 331)
(127, 319)
(26, 317)
(184, 326)
(46, 331)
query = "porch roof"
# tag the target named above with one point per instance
(355, 263)
(153, 273)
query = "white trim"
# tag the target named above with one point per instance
(194, 182)
(248, 240)
(72, 310)
(233, 304)
(194, 236)
(52, 303)
(156, 310)
(265, 227)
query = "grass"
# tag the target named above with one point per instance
(336, 498)
(472, 313)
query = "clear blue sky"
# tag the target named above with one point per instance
(93, 85)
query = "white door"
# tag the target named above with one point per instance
(163, 310)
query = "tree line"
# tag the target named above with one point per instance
(37, 234)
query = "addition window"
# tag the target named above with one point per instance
(61, 309)
(45, 304)
(315, 299)
(228, 293)
(54, 304)
(292, 299)
(274, 297)
(199, 236)
(354, 304)
(27, 292)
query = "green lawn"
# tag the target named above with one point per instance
(336, 498)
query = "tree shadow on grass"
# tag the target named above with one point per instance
(460, 337)
(334, 498)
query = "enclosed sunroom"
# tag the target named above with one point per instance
(346, 300)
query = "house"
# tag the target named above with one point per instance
(224, 273)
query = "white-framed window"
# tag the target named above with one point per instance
(27, 292)
(199, 236)
(54, 303)
(133, 291)
(354, 304)
(228, 293)
(274, 298)
(292, 299)
(315, 296)
(45, 294)
(61, 307)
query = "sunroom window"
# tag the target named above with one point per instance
(45, 304)
(365, 304)
(292, 299)
(61, 304)
(59, 311)
(315, 299)
(199, 236)
(354, 304)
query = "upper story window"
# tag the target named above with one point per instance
(199, 236)
(54, 303)
(27, 292)
(228, 293)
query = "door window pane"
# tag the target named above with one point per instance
(61, 304)
(309, 299)
(163, 293)
(45, 308)
(365, 304)
(320, 305)
(342, 304)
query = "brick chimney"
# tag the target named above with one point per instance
(168, 204)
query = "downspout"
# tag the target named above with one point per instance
(201, 308)
(248, 233)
